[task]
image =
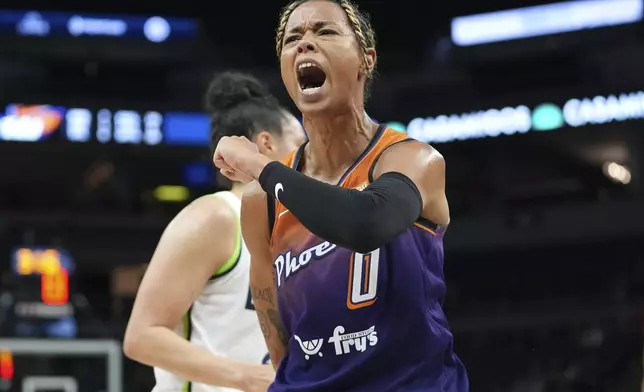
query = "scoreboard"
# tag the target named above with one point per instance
(34, 358)
(42, 281)
(51, 266)
(51, 123)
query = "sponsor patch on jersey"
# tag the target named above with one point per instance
(343, 342)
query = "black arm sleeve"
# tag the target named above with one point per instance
(358, 220)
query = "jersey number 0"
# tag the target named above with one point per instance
(363, 279)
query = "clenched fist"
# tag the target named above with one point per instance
(239, 159)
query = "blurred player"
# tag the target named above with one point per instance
(352, 245)
(193, 318)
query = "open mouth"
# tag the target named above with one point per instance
(310, 77)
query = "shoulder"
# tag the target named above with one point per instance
(411, 156)
(425, 167)
(203, 234)
(205, 213)
(208, 209)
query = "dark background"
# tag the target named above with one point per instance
(544, 258)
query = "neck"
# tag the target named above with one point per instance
(335, 142)
(237, 189)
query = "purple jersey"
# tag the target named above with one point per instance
(363, 322)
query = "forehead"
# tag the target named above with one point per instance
(314, 12)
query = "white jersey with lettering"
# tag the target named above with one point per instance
(222, 319)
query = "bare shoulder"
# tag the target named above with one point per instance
(425, 166)
(409, 157)
(206, 212)
(203, 233)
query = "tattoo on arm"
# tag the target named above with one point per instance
(274, 318)
(263, 294)
(270, 315)
(263, 324)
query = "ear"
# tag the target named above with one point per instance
(264, 141)
(371, 60)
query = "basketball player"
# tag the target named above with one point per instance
(355, 223)
(193, 318)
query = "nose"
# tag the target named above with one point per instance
(305, 46)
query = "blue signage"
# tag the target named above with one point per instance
(73, 24)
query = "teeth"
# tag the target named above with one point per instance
(310, 90)
(305, 65)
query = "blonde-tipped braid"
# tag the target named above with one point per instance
(350, 11)
(286, 13)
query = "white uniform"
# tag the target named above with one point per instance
(222, 320)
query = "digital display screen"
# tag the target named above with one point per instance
(6, 365)
(39, 123)
(187, 129)
(542, 20)
(42, 285)
(154, 29)
(49, 123)
(52, 267)
(546, 116)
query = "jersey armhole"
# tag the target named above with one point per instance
(375, 161)
(233, 260)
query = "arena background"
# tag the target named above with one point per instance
(539, 114)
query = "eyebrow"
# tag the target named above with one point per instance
(316, 26)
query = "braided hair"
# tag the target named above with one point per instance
(358, 21)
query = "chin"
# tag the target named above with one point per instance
(314, 104)
(314, 108)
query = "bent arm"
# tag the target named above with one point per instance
(194, 245)
(361, 221)
(407, 177)
(262, 278)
